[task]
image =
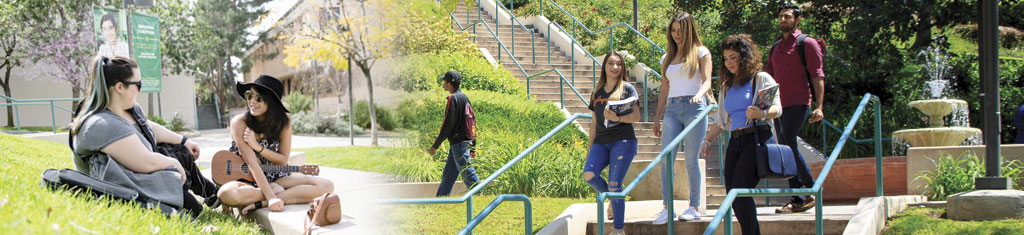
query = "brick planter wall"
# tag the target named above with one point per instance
(851, 179)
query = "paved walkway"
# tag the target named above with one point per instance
(356, 188)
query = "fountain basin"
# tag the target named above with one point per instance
(936, 136)
(936, 109)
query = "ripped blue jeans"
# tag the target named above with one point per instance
(616, 156)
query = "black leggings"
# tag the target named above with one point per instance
(741, 172)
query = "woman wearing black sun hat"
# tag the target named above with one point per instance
(266, 136)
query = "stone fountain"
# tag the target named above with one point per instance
(937, 108)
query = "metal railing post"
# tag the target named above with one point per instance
(469, 211)
(17, 117)
(53, 118)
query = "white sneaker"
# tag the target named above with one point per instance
(617, 232)
(689, 215)
(662, 217)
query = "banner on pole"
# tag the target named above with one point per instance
(146, 45)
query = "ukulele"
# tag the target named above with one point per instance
(227, 167)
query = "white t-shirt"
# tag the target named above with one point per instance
(680, 83)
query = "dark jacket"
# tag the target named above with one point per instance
(454, 128)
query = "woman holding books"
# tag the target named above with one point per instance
(686, 67)
(740, 78)
(612, 139)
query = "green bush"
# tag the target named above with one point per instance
(506, 126)
(310, 123)
(385, 119)
(954, 175)
(297, 102)
(176, 124)
(419, 72)
(157, 120)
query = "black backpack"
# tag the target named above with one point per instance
(800, 51)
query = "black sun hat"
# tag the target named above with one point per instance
(268, 84)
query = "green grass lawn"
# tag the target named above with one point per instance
(390, 160)
(27, 208)
(33, 128)
(927, 221)
(506, 219)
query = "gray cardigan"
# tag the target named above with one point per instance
(721, 117)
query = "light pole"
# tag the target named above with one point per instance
(988, 69)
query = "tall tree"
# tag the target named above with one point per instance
(362, 32)
(41, 31)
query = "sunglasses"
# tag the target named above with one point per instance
(249, 95)
(138, 84)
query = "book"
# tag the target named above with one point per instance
(764, 98)
(621, 108)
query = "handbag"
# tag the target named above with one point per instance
(774, 161)
(325, 210)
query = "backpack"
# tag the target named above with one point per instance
(470, 121)
(800, 51)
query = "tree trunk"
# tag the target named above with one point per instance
(924, 25)
(7, 92)
(373, 110)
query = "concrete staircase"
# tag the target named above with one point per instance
(546, 88)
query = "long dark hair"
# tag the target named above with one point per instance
(104, 73)
(274, 120)
(750, 62)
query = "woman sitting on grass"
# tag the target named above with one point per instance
(265, 134)
(115, 148)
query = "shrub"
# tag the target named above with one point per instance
(310, 123)
(506, 126)
(157, 120)
(419, 72)
(385, 119)
(297, 102)
(176, 124)
(954, 175)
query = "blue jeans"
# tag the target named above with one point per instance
(788, 126)
(458, 163)
(679, 112)
(616, 156)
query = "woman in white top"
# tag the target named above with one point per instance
(686, 69)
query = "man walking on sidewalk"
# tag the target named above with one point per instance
(454, 129)
(797, 75)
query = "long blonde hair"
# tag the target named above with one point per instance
(616, 94)
(103, 73)
(691, 41)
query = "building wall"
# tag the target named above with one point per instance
(178, 95)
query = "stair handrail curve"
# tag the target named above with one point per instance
(501, 45)
(479, 16)
(725, 212)
(672, 146)
(824, 134)
(30, 102)
(527, 211)
(611, 44)
(468, 196)
(561, 93)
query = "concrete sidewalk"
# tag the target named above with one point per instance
(211, 141)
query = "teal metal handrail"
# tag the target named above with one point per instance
(725, 210)
(468, 196)
(53, 114)
(561, 93)
(824, 135)
(479, 16)
(659, 159)
(527, 208)
(501, 45)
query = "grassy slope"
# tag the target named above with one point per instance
(926, 221)
(27, 208)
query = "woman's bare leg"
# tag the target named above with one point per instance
(303, 188)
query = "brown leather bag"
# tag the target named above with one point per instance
(325, 210)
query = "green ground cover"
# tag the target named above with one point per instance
(33, 129)
(27, 208)
(928, 221)
(506, 219)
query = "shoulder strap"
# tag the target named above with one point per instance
(772, 50)
(803, 60)
(144, 127)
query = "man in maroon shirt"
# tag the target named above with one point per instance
(785, 65)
